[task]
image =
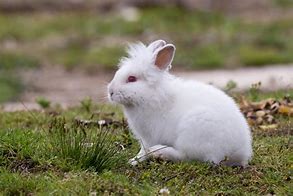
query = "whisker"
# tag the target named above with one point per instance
(105, 83)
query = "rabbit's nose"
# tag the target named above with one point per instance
(111, 93)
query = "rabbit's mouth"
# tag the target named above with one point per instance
(120, 98)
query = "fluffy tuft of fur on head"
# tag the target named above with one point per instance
(140, 54)
(137, 53)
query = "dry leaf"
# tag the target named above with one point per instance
(260, 113)
(268, 127)
(259, 120)
(275, 107)
(269, 118)
(286, 110)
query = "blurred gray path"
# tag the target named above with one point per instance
(69, 88)
(272, 77)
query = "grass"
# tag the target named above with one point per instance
(10, 64)
(95, 41)
(284, 3)
(262, 56)
(85, 147)
(48, 152)
(10, 60)
(43, 102)
(10, 87)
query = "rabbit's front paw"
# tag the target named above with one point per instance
(137, 159)
(133, 161)
(141, 156)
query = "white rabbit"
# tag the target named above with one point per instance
(174, 119)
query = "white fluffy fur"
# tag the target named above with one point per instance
(176, 119)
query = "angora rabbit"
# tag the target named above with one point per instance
(174, 119)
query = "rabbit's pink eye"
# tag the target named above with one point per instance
(131, 79)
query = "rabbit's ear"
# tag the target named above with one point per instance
(156, 45)
(165, 56)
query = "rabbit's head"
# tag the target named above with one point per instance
(140, 76)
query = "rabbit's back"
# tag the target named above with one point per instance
(211, 123)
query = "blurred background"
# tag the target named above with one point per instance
(65, 50)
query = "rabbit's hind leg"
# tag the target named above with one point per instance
(165, 153)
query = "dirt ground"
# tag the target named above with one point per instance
(69, 88)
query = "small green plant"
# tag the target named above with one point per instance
(254, 91)
(230, 85)
(87, 104)
(83, 146)
(43, 102)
